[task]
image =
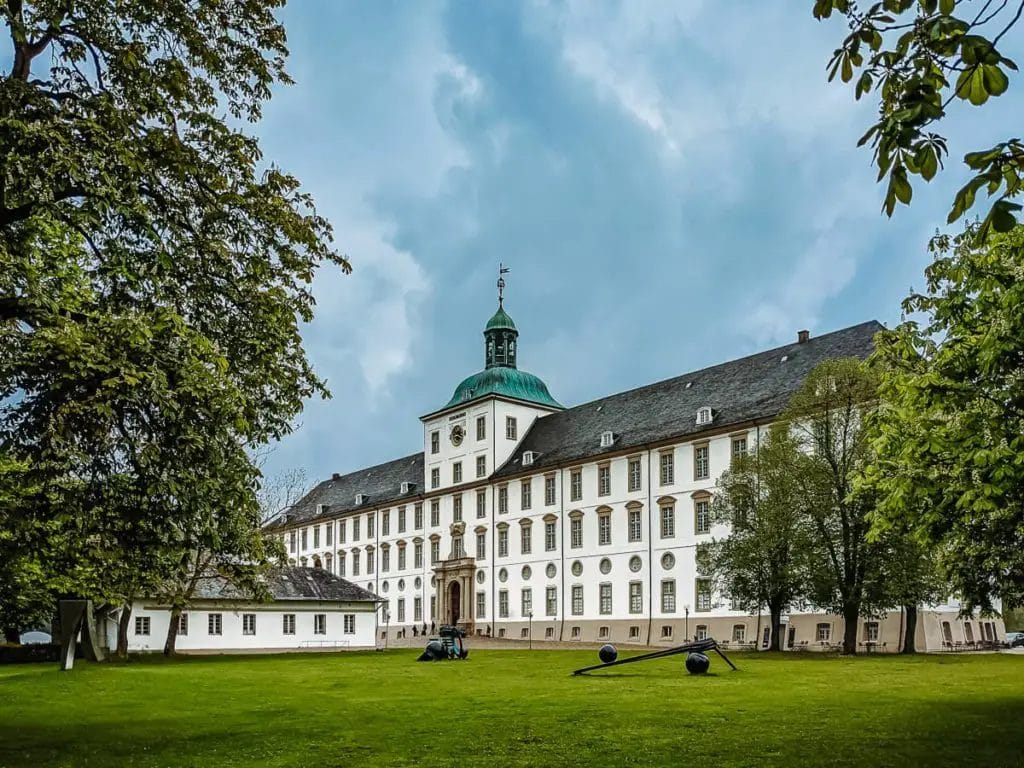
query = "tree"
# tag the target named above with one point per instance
(920, 56)
(153, 276)
(949, 447)
(826, 416)
(760, 564)
(911, 581)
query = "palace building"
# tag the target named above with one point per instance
(520, 517)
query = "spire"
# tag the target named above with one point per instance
(500, 332)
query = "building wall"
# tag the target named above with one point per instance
(649, 560)
(269, 626)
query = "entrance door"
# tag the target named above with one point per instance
(791, 639)
(454, 602)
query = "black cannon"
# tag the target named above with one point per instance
(448, 646)
(696, 663)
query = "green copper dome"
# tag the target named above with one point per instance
(509, 382)
(500, 321)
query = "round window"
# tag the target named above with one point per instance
(401, 584)
(480, 577)
(503, 575)
(551, 570)
(527, 573)
(433, 581)
(418, 583)
(635, 563)
(384, 586)
(577, 568)
(668, 560)
(606, 565)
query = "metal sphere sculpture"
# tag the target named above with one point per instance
(435, 651)
(608, 654)
(697, 663)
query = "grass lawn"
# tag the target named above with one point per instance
(515, 708)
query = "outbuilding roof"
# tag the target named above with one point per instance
(288, 583)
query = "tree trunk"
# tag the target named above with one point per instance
(123, 622)
(172, 632)
(776, 619)
(910, 630)
(12, 636)
(851, 620)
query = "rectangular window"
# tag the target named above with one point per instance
(183, 624)
(457, 548)
(355, 529)
(526, 538)
(577, 599)
(667, 473)
(401, 558)
(481, 605)
(668, 521)
(739, 447)
(319, 623)
(701, 468)
(435, 477)
(481, 427)
(527, 602)
(401, 519)
(702, 516)
(666, 631)
(550, 542)
(342, 526)
(435, 442)
(481, 546)
(549, 490)
(502, 603)
(435, 513)
(385, 523)
(871, 631)
(214, 624)
(401, 610)
(636, 597)
(702, 632)
(456, 472)
(604, 480)
(575, 633)
(371, 525)
(668, 596)
(457, 508)
(316, 537)
(604, 529)
(142, 625)
(417, 517)
(634, 632)
(702, 588)
(576, 485)
(551, 601)
(606, 599)
(502, 499)
(329, 535)
(481, 503)
(305, 539)
(349, 627)
(385, 560)
(292, 542)
(417, 555)
(355, 563)
(634, 474)
(341, 563)
(576, 532)
(526, 489)
(635, 525)
(248, 623)
(481, 466)
(435, 551)
(370, 561)
(824, 633)
(511, 432)
(288, 624)
(503, 542)
(417, 608)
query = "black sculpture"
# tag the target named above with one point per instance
(694, 648)
(449, 646)
(697, 663)
(608, 654)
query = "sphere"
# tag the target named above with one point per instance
(435, 650)
(697, 663)
(608, 653)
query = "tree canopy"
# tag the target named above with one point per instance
(919, 57)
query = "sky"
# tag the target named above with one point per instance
(672, 184)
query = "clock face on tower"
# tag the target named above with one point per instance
(457, 434)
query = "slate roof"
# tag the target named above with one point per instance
(289, 583)
(381, 485)
(755, 387)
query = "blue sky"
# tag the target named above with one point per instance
(673, 184)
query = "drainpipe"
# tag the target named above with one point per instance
(561, 566)
(650, 549)
(494, 521)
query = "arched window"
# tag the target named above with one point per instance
(316, 562)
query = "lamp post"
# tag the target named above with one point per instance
(530, 617)
(387, 627)
(686, 626)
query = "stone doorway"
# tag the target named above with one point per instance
(454, 603)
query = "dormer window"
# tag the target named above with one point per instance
(319, 509)
(704, 415)
(528, 457)
(607, 439)
(406, 487)
(360, 499)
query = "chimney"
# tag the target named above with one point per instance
(802, 337)
(335, 476)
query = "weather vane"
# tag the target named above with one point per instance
(502, 269)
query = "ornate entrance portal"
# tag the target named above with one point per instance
(454, 603)
(454, 585)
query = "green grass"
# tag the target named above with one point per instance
(515, 708)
